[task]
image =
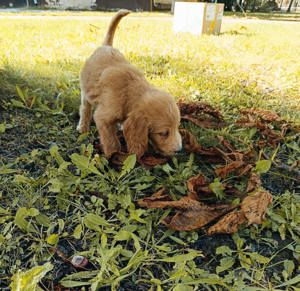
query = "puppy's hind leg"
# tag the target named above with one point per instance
(85, 112)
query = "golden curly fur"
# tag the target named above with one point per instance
(121, 94)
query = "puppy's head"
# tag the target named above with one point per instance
(156, 121)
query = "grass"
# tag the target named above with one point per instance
(33, 11)
(58, 199)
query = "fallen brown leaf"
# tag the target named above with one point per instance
(224, 171)
(245, 170)
(199, 185)
(271, 127)
(196, 183)
(254, 182)
(266, 115)
(147, 160)
(158, 196)
(199, 108)
(194, 214)
(229, 223)
(226, 144)
(255, 206)
(190, 144)
(231, 190)
(158, 200)
(246, 123)
(231, 154)
(191, 214)
(152, 161)
(202, 122)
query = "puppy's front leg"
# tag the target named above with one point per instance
(85, 113)
(108, 134)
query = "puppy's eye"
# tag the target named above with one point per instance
(164, 134)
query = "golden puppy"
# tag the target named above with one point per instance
(121, 94)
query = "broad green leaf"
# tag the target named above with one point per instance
(138, 257)
(282, 231)
(167, 168)
(17, 103)
(263, 166)
(61, 225)
(80, 275)
(53, 239)
(23, 213)
(94, 221)
(135, 214)
(103, 240)
(28, 280)
(71, 284)
(182, 287)
(225, 264)
(55, 154)
(289, 266)
(177, 240)
(125, 200)
(127, 253)
(2, 127)
(21, 94)
(218, 188)
(259, 258)
(276, 217)
(224, 250)
(77, 231)
(122, 235)
(245, 261)
(83, 164)
(238, 241)
(178, 274)
(165, 248)
(55, 185)
(128, 165)
(126, 235)
(80, 161)
(183, 258)
(43, 219)
(213, 280)
(290, 282)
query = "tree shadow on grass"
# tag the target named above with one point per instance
(46, 114)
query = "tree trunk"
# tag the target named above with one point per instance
(290, 6)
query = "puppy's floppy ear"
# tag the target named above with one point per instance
(136, 133)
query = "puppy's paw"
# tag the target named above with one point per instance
(82, 128)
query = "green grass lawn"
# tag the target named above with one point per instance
(54, 204)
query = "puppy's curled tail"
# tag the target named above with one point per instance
(113, 26)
